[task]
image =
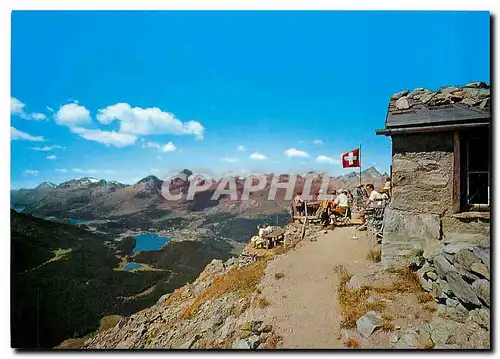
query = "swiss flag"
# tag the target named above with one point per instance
(351, 159)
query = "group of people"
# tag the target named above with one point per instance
(342, 200)
(337, 203)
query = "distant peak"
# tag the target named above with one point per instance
(46, 185)
(372, 171)
(150, 178)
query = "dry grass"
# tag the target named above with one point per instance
(76, 343)
(271, 342)
(262, 302)
(374, 254)
(351, 343)
(387, 316)
(424, 297)
(108, 322)
(387, 326)
(429, 345)
(279, 275)
(240, 281)
(430, 306)
(353, 303)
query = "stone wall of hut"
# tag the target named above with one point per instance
(421, 210)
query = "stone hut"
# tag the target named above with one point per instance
(440, 171)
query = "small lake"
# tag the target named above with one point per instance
(18, 209)
(131, 266)
(149, 242)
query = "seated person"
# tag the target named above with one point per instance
(341, 203)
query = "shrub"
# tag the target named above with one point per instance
(351, 343)
(374, 254)
(279, 275)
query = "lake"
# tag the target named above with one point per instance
(149, 242)
(18, 209)
(131, 266)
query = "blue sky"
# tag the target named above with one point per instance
(120, 95)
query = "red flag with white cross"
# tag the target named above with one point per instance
(351, 159)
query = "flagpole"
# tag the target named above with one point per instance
(360, 164)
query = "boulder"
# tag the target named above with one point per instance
(436, 291)
(431, 275)
(483, 254)
(440, 334)
(465, 258)
(427, 97)
(355, 282)
(442, 266)
(481, 316)
(482, 289)
(254, 341)
(452, 302)
(426, 285)
(458, 313)
(480, 269)
(432, 248)
(368, 323)
(468, 276)
(444, 286)
(456, 247)
(462, 289)
(398, 95)
(407, 341)
(241, 344)
(402, 103)
(449, 89)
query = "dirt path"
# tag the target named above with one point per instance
(303, 305)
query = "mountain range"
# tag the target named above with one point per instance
(93, 198)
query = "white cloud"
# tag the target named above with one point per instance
(146, 144)
(15, 134)
(72, 115)
(148, 121)
(36, 116)
(318, 142)
(63, 170)
(169, 147)
(47, 148)
(258, 156)
(293, 152)
(51, 157)
(229, 159)
(326, 159)
(17, 108)
(109, 138)
(31, 172)
(241, 148)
